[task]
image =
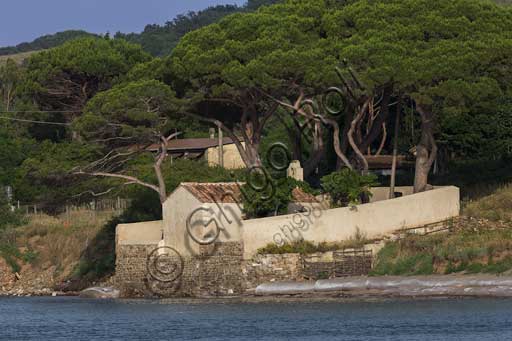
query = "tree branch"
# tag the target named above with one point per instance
(131, 179)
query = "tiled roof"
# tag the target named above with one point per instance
(229, 192)
(222, 192)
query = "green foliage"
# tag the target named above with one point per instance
(129, 114)
(265, 49)
(303, 247)
(8, 217)
(390, 263)
(263, 195)
(9, 220)
(474, 248)
(45, 176)
(346, 187)
(69, 75)
(46, 42)
(451, 56)
(161, 40)
(10, 77)
(306, 247)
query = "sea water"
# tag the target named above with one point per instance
(64, 318)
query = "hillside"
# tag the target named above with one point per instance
(480, 241)
(44, 42)
(159, 40)
(18, 57)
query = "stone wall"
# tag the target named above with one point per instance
(218, 271)
(131, 269)
(270, 268)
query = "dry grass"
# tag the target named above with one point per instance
(58, 242)
(356, 241)
(495, 207)
(18, 57)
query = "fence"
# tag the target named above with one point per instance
(344, 263)
(110, 205)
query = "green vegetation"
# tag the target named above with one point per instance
(481, 242)
(263, 196)
(306, 247)
(348, 187)
(160, 40)
(471, 246)
(45, 42)
(497, 206)
(71, 74)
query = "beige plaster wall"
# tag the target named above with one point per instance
(180, 205)
(232, 158)
(373, 219)
(382, 193)
(146, 233)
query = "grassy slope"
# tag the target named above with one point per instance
(480, 241)
(18, 57)
(497, 206)
(51, 249)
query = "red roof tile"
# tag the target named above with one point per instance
(229, 192)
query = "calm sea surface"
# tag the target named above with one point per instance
(80, 319)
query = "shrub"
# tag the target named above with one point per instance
(272, 199)
(8, 217)
(348, 187)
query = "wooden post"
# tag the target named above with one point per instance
(395, 150)
(221, 148)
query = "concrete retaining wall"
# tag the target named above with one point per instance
(373, 220)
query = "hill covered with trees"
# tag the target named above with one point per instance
(45, 42)
(158, 40)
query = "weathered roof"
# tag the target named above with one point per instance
(192, 144)
(229, 192)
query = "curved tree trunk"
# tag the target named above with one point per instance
(362, 163)
(318, 152)
(426, 150)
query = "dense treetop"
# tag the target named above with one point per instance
(66, 77)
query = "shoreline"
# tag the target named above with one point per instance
(343, 288)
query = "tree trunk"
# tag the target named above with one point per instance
(395, 149)
(426, 150)
(318, 152)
